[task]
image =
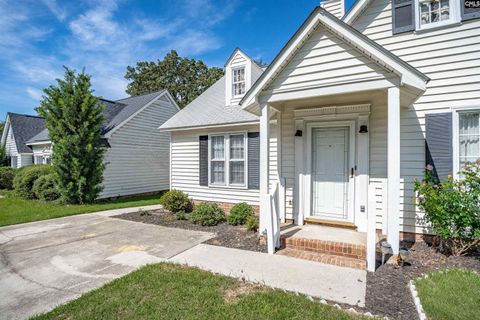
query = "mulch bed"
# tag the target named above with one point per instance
(387, 288)
(225, 235)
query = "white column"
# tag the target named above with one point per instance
(299, 158)
(264, 168)
(393, 174)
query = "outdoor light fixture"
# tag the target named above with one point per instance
(386, 249)
(363, 129)
(404, 253)
(299, 133)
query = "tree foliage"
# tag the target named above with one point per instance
(74, 120)
(184, 78)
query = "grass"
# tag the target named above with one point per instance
(14, 210)
(453, 294)
(168, 291)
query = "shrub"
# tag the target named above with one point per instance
(175, 201)
(452, 208)
(45, 189)
(252, 223)
(26, 177)
(6, 177)
(207, 214)
(181, 215)
(240, 213)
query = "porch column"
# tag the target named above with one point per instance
(265, 211)
(393, 166)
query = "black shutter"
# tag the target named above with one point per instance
(203, 161)
(253, 160)
(403, 16)
(438, 144)
(469, 11)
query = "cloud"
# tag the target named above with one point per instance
(35, 94)
(59, 12)
(193, 42)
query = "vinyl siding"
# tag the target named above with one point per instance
(316, 63)
(10, 146)
(138, 158)
(335, 7)
(185, 167)
(449, 56)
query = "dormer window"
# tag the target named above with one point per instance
(238, 81)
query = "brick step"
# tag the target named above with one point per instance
(342, 249)
(335, 260)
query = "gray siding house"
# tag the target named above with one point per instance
(138, 155)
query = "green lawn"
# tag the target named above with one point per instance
(453, 294)
(15, 210)
(167, 291)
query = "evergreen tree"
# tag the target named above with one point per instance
(74, 120)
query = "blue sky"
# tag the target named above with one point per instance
(38, 37)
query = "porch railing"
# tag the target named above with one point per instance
(274, 203)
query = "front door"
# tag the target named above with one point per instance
(330, 172)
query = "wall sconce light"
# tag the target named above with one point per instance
(363, 129)
(298, 133)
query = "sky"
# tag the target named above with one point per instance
(39, 37)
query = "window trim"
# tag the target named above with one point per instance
(226, 151)
(244, 81)
(456, 135)
(454, 17)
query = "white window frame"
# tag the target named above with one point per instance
(455, 13)
(456, 136)
(226, 137)
(238, 82)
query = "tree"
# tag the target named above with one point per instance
(74, 120)
(3, 152)
(184, 78)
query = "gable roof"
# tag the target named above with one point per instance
(24, 127)
(407, 73)
(115, 113)
(209, 109)
(355, 10)
(237, 49)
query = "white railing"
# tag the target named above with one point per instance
(274, 207)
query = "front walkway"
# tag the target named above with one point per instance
(315, 279)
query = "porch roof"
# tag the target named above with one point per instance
(407, 74)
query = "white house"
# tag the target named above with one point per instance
(137, 157)
(342, 121)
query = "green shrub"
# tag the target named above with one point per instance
(252, 223)
(240, 213)
(181, 215)
(207, 214)
(175, 201)
(452, 208)
(45, 189)
(6, 177)
(26, 177)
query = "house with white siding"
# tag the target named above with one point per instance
(337, 128)
(137, 157)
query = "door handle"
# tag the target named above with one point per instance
(352, 173)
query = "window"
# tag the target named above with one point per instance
(433, 11)
(238, 81)
(468, 137)
(228, 160)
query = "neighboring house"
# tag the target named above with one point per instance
(137, 158)
(344, 113)
(19, 128)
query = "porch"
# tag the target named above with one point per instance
(332, 158)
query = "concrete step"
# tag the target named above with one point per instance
(325, 258)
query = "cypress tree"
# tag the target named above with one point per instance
(74, 120)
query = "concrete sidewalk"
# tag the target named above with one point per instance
(329, 282)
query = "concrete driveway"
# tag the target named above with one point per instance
(46, 263)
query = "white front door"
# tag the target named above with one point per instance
(330, 172)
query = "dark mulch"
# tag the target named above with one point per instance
(226, 235)
(387, 288)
